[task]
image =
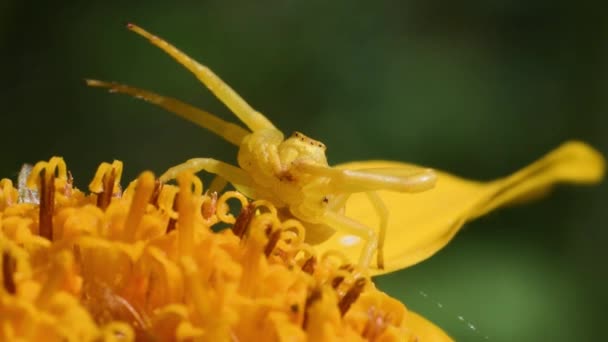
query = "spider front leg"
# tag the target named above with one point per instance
(249, 116)
(383, 213)
(413, 179)
(347, 225)
(226, 171)
(229, 131)
(218, 184)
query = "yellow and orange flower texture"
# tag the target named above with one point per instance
(145, 264)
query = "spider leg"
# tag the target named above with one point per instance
(228, 172)
(347, 225)
(350, 181)
(366, 180)
(383, 213)
(218, 184)
(249, 116)
(227, 130)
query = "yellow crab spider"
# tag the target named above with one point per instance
(292, 173)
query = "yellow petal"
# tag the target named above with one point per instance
(421, 224)
(425, 330)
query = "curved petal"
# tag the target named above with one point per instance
(425, 330)
(421, 224)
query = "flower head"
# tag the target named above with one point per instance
(145, 263)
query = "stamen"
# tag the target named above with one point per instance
(243, 220)
(105, 197)
(47, 204)
(164, 198)
(272, 241)
(69, 185)
(42, 176)
(267, 205)
(8, 271)
(314, 296)
(158, 188)
(173, 221)
(309, 265)
(223, 209)
(106, 182)
(337, 281)
(295, 227)
(352, 295)
(340, 277)
(348, 268)
(209, 206)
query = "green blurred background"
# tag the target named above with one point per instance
(479, 88)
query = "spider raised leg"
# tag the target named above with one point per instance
(249, 116)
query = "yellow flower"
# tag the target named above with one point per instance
(145, 264)
(421, 224)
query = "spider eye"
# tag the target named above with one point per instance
(306, 140)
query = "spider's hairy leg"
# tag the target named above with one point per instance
(227, 130)
(249, 116)
(383, 213)
(347, 225)
(400, 180)
(226, 171)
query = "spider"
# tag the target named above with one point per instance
(292, 173)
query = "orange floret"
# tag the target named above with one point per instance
(147, 264)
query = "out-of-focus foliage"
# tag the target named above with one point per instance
(477, 88)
